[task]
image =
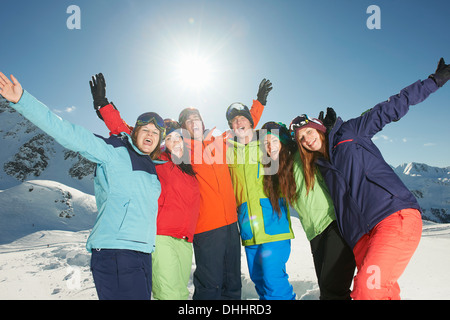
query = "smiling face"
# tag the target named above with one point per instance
(309, 138)
(194, 125)
(147, 138)
(174, 143)
(242, 127)
(272, 145)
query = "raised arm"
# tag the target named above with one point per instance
(113, 120)
(398, 105)
(105, 110)
(70, 136)
(258, 105)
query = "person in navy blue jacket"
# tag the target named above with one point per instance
(377, 215)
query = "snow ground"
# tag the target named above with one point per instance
(54, 265)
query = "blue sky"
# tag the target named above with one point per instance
(317, 53)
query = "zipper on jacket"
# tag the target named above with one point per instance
(349, 140)
(258, 170)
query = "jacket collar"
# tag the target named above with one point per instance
(331, 135)
(127, 137)
(255, 140)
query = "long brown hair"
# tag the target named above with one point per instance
(309, 158)
(278, 185)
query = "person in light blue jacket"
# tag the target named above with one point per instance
(126, 190)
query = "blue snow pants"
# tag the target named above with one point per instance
(267, 267)
(122, 274)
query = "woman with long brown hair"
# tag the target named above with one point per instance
(264, 217)
(333, 259)
(377, 215)
(280, 149)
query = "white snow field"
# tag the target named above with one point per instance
(42, 256)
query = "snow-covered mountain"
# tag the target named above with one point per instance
(38, 205)
(43, 186)
(431, 187)
(27, 153)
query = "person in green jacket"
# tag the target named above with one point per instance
(265, 233)
(333, 259)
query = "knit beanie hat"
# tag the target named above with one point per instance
(303, 121)
(278, 129)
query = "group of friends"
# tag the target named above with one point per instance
(167, 190)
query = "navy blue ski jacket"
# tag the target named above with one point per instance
(364, 188)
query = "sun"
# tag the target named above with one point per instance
(194, 71)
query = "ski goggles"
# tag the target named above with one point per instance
(236, 108)
(151, 117)
(172, 125)
(300, 122)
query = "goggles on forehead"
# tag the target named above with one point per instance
(171, 125)
(301, 121)
(236, 107)
(151, 117)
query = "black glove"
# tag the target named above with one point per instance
(442, 73)
(329, 120)
(264, 88)
(98, 90)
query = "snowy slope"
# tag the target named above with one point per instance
(44, 205)
(54, 265)
(45, 225)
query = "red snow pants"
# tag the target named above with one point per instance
(383, 254)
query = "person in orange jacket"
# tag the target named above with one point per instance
(217, 247)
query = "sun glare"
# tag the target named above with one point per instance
(194, 72)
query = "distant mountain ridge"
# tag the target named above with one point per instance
(431, 187)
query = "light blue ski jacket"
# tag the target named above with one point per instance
(126, 185)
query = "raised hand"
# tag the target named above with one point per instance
(98, 90)
(329, 120)
(442, 74)
(264, 88)
(11, 91)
